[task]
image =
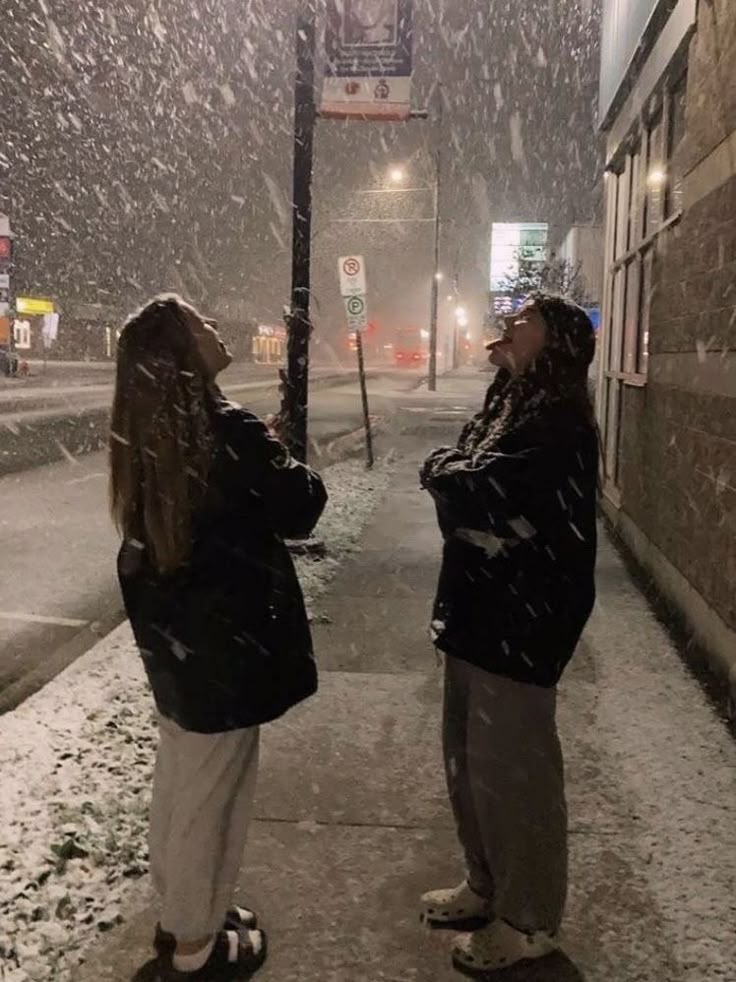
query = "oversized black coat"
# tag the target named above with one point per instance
(225, 640)
(517, 584)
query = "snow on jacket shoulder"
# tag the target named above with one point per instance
(225, 640)
(517, 580)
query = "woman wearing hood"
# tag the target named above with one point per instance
(516, 502)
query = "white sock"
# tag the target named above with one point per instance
(192, 963)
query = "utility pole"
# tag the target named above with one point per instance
(432, 381)
(295, 381)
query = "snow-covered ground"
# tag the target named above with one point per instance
(75, 770)
(674, 760)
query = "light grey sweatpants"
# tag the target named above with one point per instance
(203, 790)
(505, 777)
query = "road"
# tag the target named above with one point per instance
(90, 389)
(58, 591)
(42, 422)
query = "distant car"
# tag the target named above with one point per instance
(411, 349)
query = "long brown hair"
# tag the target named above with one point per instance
(161, 437)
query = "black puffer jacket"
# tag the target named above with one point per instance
(225, 641)
(517, 581)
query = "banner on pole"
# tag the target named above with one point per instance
(50, 328)
(369, 49)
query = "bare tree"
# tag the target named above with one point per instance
(551, 276)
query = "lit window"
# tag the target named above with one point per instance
(22, 335)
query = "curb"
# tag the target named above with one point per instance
(24, 446)
(52, 437)
(350, 443)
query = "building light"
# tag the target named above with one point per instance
(33, 307)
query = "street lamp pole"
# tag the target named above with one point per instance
(295, 399)
(432, 380)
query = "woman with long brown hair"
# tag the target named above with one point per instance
(204, 496)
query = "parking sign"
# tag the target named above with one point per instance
(357, 312)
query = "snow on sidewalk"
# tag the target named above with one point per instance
(675, 759)
(76, 762)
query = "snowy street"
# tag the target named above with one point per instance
(60, 545)
(86, 387)
(351, 820)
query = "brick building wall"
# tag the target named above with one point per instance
(675, 491)
(679, 432)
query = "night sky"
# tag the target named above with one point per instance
(147, 146)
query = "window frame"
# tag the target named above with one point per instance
(630, 262)
(675, 90)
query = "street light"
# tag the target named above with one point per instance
(397, 175)
(439, 276)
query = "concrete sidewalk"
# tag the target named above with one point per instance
(352, 822)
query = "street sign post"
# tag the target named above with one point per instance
(364, 399)
(353, 286)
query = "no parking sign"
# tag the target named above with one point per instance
(352, 276)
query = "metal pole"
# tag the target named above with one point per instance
(11, 299)
(364, 397)
(294, 406)
(456, 326)
(432, 383)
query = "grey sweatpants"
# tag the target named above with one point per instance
(505, 777)
(203, 789)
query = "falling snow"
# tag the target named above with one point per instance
(149, 146)
(76, 762)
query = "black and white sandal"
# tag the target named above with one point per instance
(236, 919)
(236, 955)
